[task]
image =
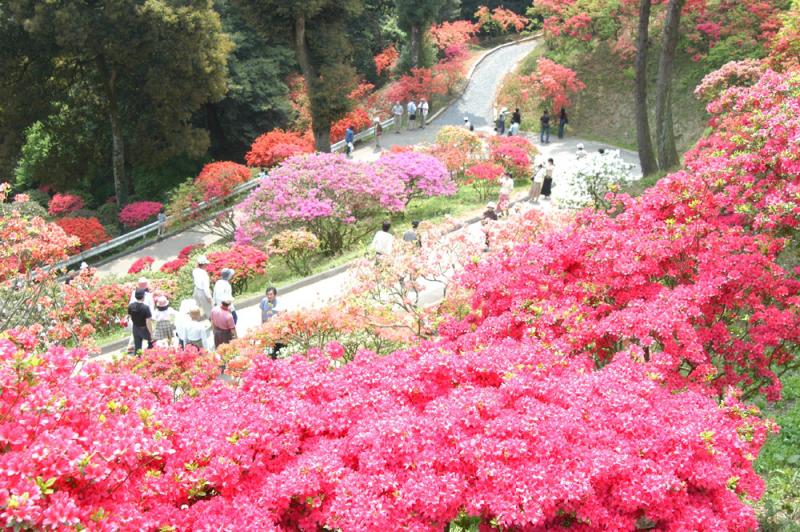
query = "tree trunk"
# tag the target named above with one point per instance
(665, 135)
(117, 140)
(319, 126)
(647, 159)
(416, 47)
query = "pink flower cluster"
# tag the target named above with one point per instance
(422, 174)
(139, 212)
(317, 190)
(63, 204)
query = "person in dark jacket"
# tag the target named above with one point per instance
(562, 122)
(544, 120)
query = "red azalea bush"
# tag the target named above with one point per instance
(385, 61)
(141, 264)
(484, 177)
(458, 32)
(89, 231)
(63, 204)
(554, 84)
(248, 261)
(137, 213)
(277, 145)
(187, 250)
(104, 307)
(515, 154)
(219, 178)
(358, 118)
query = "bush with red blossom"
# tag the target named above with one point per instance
(89, 230)
(139, 212)
(248, 262)
(141, 264)
(64, 204)
(274, 146)
(484, 177)
(358, 118)
(219, 178)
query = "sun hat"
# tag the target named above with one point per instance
(580, 145)
(491, 205)
(162, 301)
(227, 273)
(202, 259)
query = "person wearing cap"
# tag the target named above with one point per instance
(223, 291)
(490, 213)
(467, 123)
(192, 328)
(397, 111)
(202, 286)
(580, 153)
(423, 110)
(141, 317)
(411, 107)
(164, 319)
(222, 323)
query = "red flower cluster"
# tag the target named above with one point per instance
(139, 212)
(514, 154)
(273, 147)
(101, 306)
(246, 260)
(174, 265)
(141, 264)
(63, 204)
(386, 60)
(219, 178)
(89, 230)
(358, 118)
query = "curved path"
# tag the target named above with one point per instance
(476, 103)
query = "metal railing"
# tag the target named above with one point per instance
(151, 228)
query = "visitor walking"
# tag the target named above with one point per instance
(424, 107)
(580, 153)
(467, 123)
(140, 316)
(536, 184)
(223, 290)
(194, 330)
(349, 136)
(164, 319)
(397, 111)
(516, 117)
(547, 185)
(544, 121)
(223, 323)
(506, 189)
(378, 134)
(411, 235)
(562, 122)
(202, 286)
(383, 241)
(491, 211)
(269, 309)
(161, 218)
(501, 121)
(514, 129)
(412, 114)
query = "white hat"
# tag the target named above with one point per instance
(466, 119)
(580, 145)
(142, 280)
(202, 259)
(491, 205)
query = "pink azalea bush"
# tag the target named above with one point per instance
(139, 212)
(325, 193)
(63, 204)
(423, 175)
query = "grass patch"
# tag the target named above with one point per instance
(779, 462)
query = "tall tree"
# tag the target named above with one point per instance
(665, 135)
(149, 66)
(316, 31)
(647, 159)
(415, 17)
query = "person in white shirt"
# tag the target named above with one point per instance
(194, 330)
(383, 241)
(580, 153)
(506, 188)
(202, 286)
(223, 291)
(397, 111)
(423, 109)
